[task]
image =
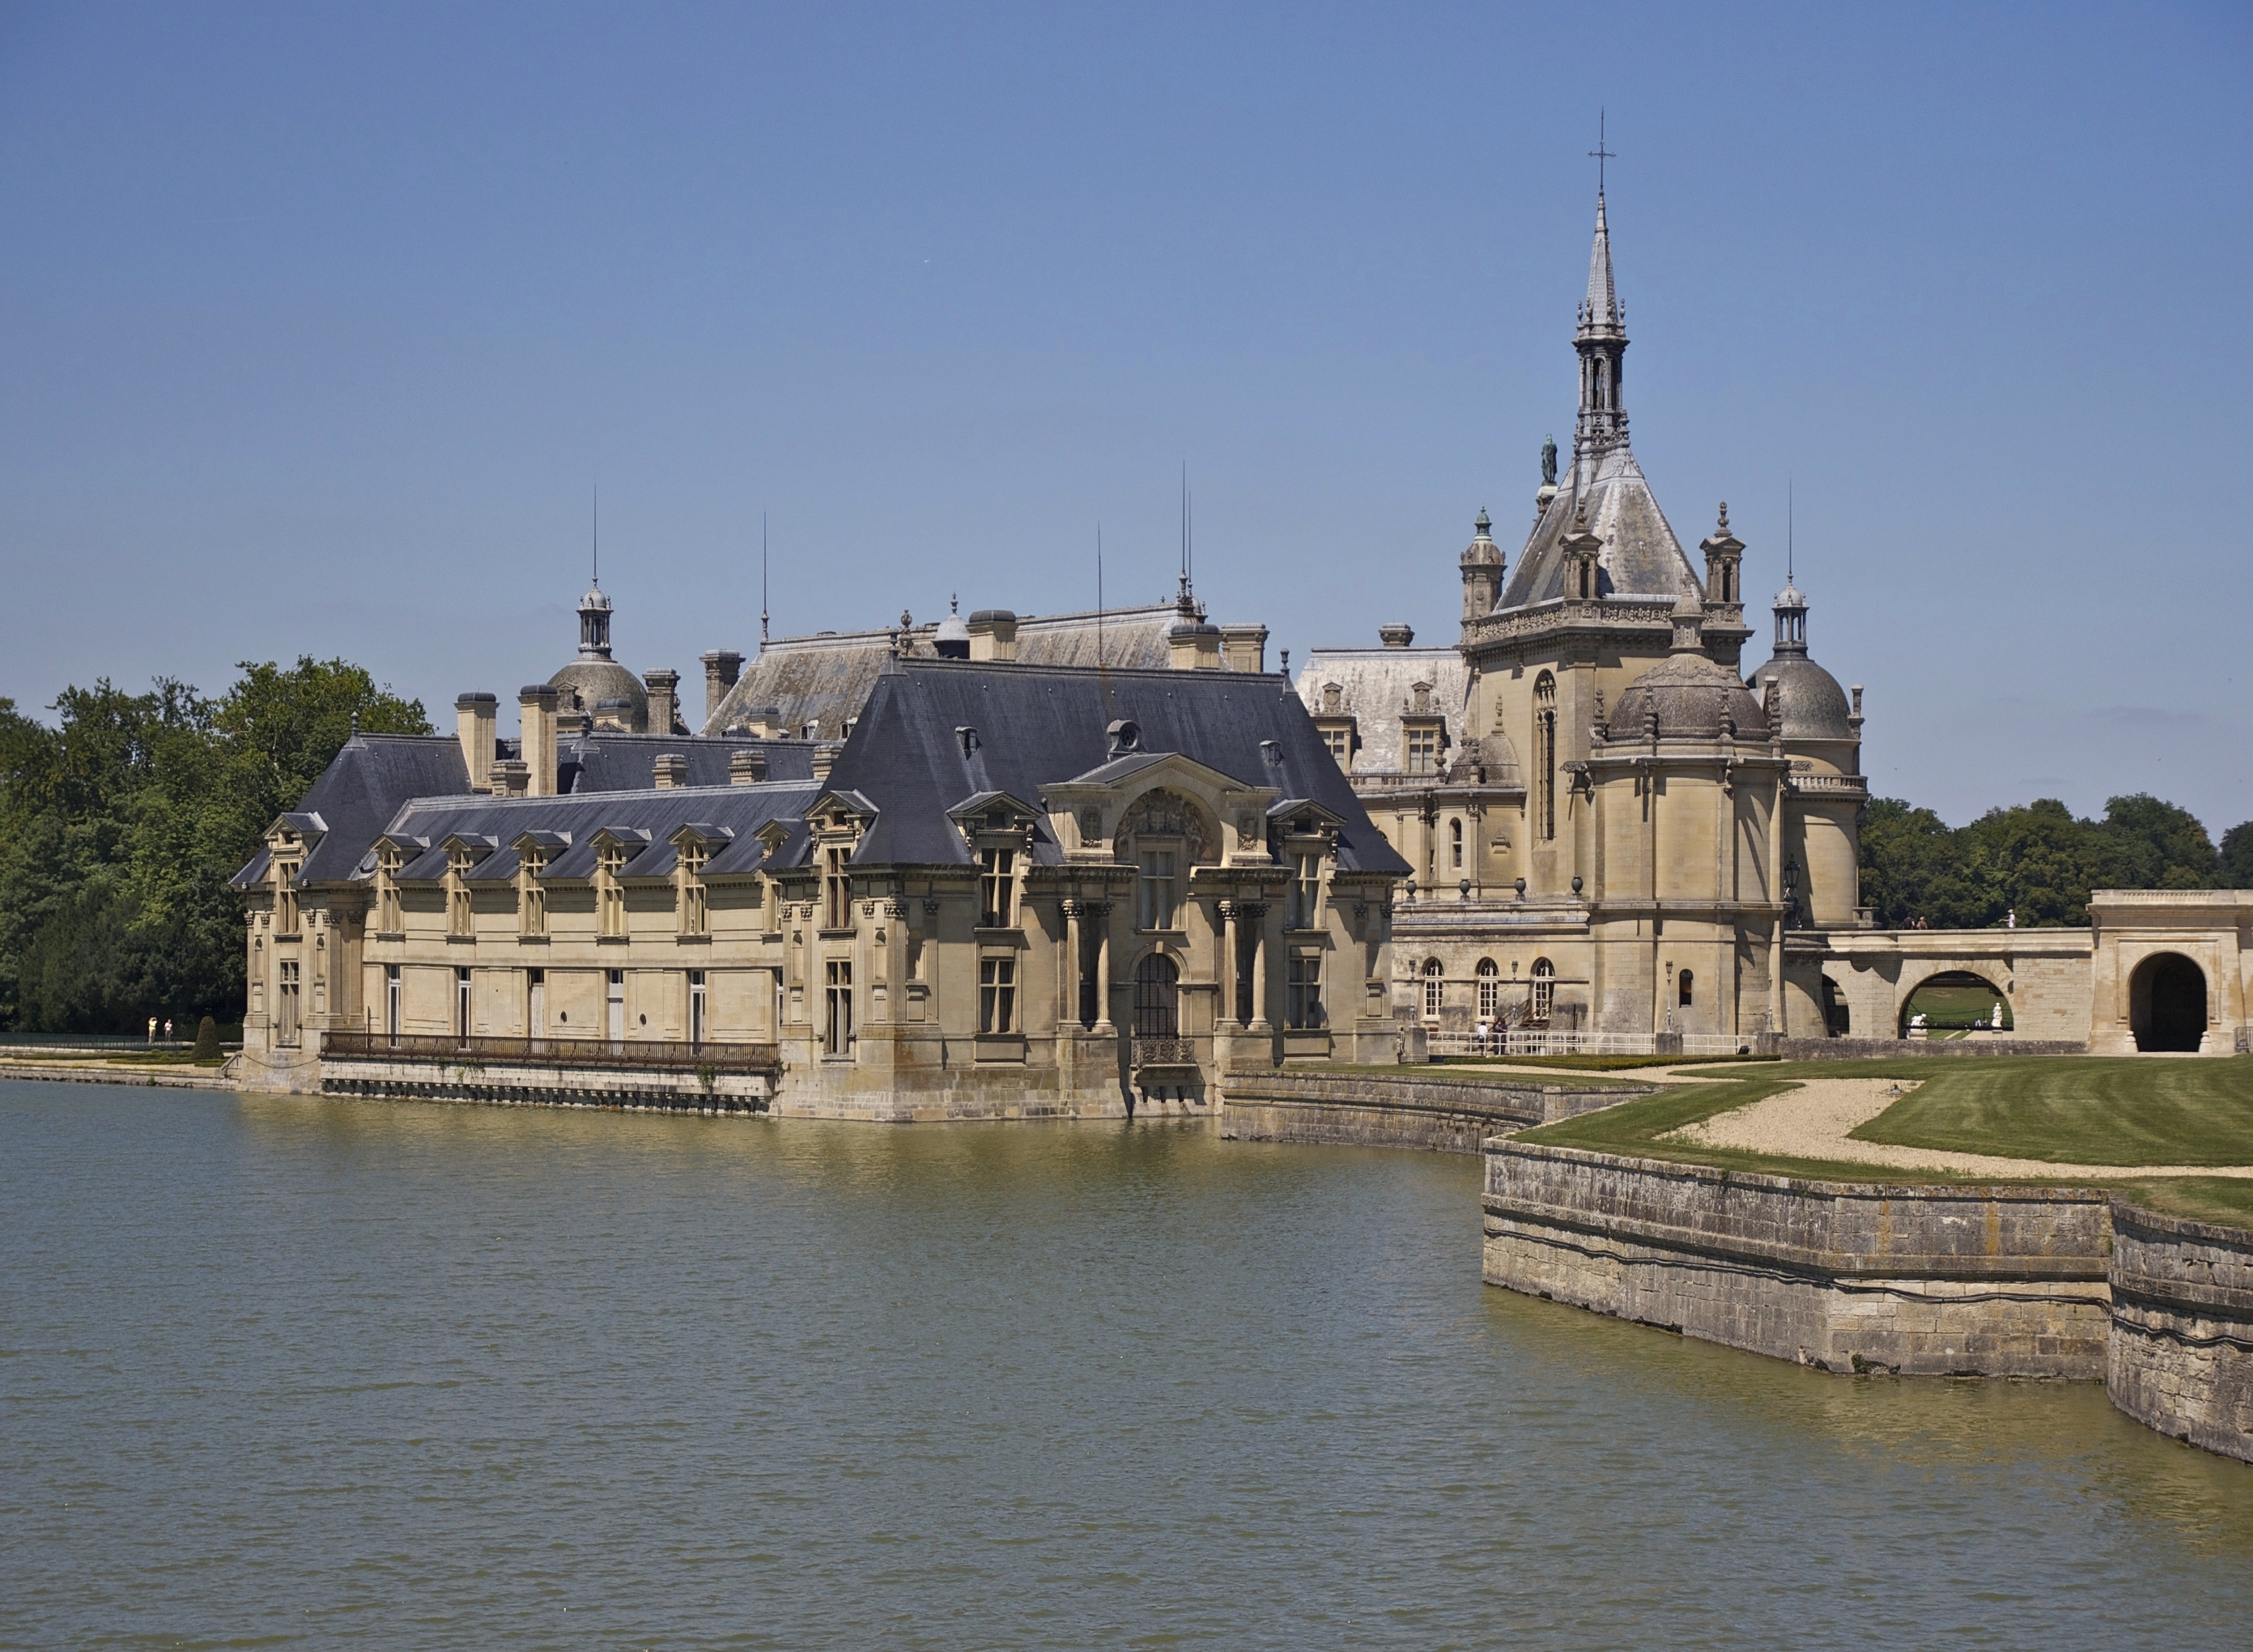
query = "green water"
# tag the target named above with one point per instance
(280, 1373)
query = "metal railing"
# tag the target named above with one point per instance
(1164, 1052)
(656, 1054)
(1533, 1040)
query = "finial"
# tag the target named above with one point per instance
(355, 723)
(906, 619)
(953, 604)
(1286, 668)
(1483, 524)
(1600, 155)
(1723, 530)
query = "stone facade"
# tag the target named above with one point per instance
(2181, 1358)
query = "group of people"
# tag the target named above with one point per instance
(152, 1028)
(2009, 921)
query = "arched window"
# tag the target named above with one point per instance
(1434, 985)
(1545, 749)
(1455, 843)
(1490, 989)
(1157, 998)
(1544, 988)
(1682, 995)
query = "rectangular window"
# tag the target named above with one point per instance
(610, 893)
(997, 995)
(691, 903)
(615, 990)
(1306, 984)
(1305, 906)
(458, 919)
(285, 898)
(386, 891)
(696, 1006)
(285, 1003)
(1340, 741)
(1423, 750)
(391, 1001)
(838, 1035)
(1159, 899)
(997, 886)
(531, 898)
(462, 1003)
(837, 890)
(536, 1003)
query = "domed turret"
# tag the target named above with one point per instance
(1689, 696)
(1482, 568)
(1814, 705)
(595, 683)
(952, 639)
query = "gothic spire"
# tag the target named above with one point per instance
(1601, 339)
(1600, 311)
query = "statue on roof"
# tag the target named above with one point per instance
(1549, 461)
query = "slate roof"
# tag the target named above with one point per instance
(658, 812)
(1377, 688)
(1037, 728)
(827, 679)
(360, 790)
(1640, 555)
(607, 761)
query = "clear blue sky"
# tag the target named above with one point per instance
(321, 322)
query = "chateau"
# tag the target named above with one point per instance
(1086, 864)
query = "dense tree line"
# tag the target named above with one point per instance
(121, 822)
(2036, 859)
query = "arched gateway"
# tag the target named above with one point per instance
(2166, 1004)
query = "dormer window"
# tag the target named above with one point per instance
(610, 892)
(460, 918)
(688, 891)
(1422, 749)
(997, 888)
(285, 895)
(387, 862)
(531, 898)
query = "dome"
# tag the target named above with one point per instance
(1693, 694)
(1483, 551)
(1814, 705)
(594, 602)
(583, 684)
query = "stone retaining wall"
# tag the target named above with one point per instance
(1446, 1112)
(1992, 1281)
(2181, 1358)
(1866, 1049)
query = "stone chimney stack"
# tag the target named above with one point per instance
(722, 668)
(536, 710)
(825, 756)
(1243, 647)
(671, 770)
(474, 718)
(747, 766)
(765, 721)
(993, 635)
(664, 700)
(1396, 635)
(510, 778)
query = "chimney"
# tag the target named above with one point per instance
(1193, 646)
(664, 700)
(474, 716)
(614, 716)
(672, 769)
(536, 709)
(747, 766)
(1396, 635)
(765, 721)
(511, 777)
(993, 634)
(824, 755)
(722, 668)
(1245, 647)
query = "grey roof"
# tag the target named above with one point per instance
(651, 816)
(605, 762)
(1377, 687)
(1640, 555)
(1041, 727)
(360, 790)
(1693, 695)
(1814, 705)
(826, 681)
(585, 684)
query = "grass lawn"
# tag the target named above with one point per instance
(2065, 1109)
(1951, 1007)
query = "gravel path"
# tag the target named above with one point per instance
(1811, 1122)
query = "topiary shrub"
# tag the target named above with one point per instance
(206, 1041)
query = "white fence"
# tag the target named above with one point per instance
(1533, 1040)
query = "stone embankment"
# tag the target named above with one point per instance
(101, 1072)
(1913, 1280)
(1871, 1048)
(1450, 1112)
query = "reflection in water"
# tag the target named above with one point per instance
(319, 1372)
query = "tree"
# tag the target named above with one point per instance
(2236, 857)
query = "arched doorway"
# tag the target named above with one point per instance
(2166, 1003)
(1953, 1003)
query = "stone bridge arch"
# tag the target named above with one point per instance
(2002, 982)
(2042, 976)
(2168, 1004)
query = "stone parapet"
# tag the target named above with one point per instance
(1927, 1281)
(1447, 1112)
(2181, 1355)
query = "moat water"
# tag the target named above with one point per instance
(282, 1372)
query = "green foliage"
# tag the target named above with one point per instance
(206, 1041)
(2036, 859)
(121, 823)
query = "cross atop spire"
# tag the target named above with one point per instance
(1600, 155)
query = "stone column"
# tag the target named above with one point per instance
(1225, 976)
(1258, 914)
(1101, 910)
(1069, 1015)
